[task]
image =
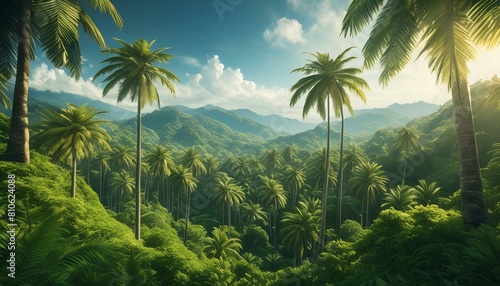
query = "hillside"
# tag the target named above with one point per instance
(181, 130)
(277, 122)
(438, 161)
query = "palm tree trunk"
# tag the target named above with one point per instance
(404, 170)
(228, 214)
(341, 174)
(367, 210)
(274, 223)
(73, 173)
(138, 174)
(101, 182)
(18, 149)
(186, 217)
(324, 196)
(474, 210)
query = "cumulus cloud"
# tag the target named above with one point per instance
(285, 31)
(227, 87)
(57, 81)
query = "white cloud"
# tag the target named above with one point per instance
(190, 61)
(56, 80)
(284, 32)
(226, 87)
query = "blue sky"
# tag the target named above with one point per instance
(239, 54)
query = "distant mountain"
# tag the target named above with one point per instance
(173, 126)
(277, 122)
(367, 121)
(414, 110)
(234, 121)
(38, 100)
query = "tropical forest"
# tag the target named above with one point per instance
(94, 193)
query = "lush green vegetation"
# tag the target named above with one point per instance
(211, 206)
(256, 219)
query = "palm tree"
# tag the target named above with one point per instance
(191, 158)
(220, 246)
(295, 179)
(449, 31)
(300, 230)
(122, 158)
(4, 99)
(427, 194)
(493, 93)
(121, 183)
(252, 213)
(53, 26)
(316, 170)
(241, 166)
(70, 134)
(495, 157)
(406, 143)
(272, 160)
(353, 156)
(368, 181)
(102, 157)
(184, 180)
(228, 193)
(289, 155)
(400, 198)
(329, 80)
(160, 160)
(133, 67)
(273, 197)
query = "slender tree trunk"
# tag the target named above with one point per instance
(188, 204)
(274, 223)
(101, 182)
(138, 173)
(73, 173)
(341, 174)
(404, 171)
(324, 196)
(228, 214)
(361, 214)
(18, 149)
(474, 210)
(367, 211)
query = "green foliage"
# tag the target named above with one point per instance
(351, 231)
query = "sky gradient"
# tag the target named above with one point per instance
(239, 54)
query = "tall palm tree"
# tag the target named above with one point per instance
(228, 194)
(367, 182)
(449, 31)
(329, 80)
(55, 27)
(191, 158)
(273, 197)
(70, 134)
(300, 230)
(220, 246)
(406, 143)
(160, 161)
(427, 194)
(122, 184)
(134, 67)
(252, 213)
(294, 178)
(241, 167)
(272, 160)
(289, 155)
(4, 99)
(400, 198)
(185, 182)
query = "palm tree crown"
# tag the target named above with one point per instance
(70, 134)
